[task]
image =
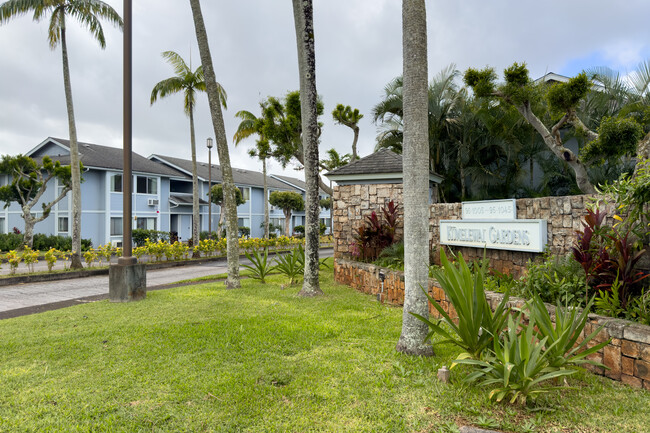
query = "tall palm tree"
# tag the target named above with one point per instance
(189, 83)
(251, 125)
(212, 88)
(416, 179)
(304, 23)
(88, 13)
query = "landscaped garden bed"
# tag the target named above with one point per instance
(203, 358)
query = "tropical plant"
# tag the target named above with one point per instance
(517, 365)
(562, 335)
(288, 201)
(378, 231)
(51, 257)
(30, 257)
(88, 13)
(27, 184)
(249, 125)
(260, 265)
(345, 115)
(189, 83)
(90, 256)
(476, 325)
(392, 256)
(216, 197)
(554, 279)
(291, 264)
(14, 260)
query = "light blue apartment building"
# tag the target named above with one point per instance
(162, 195)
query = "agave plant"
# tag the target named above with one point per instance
(477, 324)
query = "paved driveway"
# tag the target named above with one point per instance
(35, 297)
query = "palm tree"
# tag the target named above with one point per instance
(212, 88)
(249, 125)
(88, 13)
(416, 179)
(304, 23)
(189, 83)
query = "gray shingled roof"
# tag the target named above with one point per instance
(97, 156)
(240, 176)
(184, 199)
(296, 182)
(382, 161)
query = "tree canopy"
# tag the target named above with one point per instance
(288, 201)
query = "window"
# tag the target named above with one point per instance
(116, 183)
(245, 193)
(146, 185)
(63, 224)
(116, 226)
(2, 225)
(243, 222)
(146, 223)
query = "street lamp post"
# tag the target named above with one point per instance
(209, 144)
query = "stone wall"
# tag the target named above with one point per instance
(563, 215)
(352, 203)
(627, 355)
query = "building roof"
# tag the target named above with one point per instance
(240, 176)
(383, 165)
(105, 157)
(182, 200)
(296, 183)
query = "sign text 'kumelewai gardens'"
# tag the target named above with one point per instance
(503, 234)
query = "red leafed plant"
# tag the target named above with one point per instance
(378, 231)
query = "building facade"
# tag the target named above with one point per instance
(161, 199)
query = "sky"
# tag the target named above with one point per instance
(358, 51)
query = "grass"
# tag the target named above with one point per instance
(261, 359)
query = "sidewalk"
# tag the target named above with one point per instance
(32, 298)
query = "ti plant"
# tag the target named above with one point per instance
(260, 266)
(477, 324)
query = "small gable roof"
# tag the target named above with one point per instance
(383, 166)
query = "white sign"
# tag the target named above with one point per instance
(490, 210)
(515, 235)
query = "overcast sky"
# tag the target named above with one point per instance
(358, 51)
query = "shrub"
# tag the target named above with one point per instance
(392, 256)
(14, 260)
(90, 256)
(554, 279)
(10, 241)
(477, 324)
(244, 231)
(292, 264)
(30, 257)
(378, 232)
(51, 257)
(300, 230)
(517, 364)
(140, 236)
(260, 266)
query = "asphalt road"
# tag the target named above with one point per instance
(32, 298)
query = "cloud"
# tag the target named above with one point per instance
(358, 51)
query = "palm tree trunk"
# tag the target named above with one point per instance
(232, 252)
(287, 222)
(304, 23)
(75, 257)
(416, 179)
(266, 200)
(195, 189)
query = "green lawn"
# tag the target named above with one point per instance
(200, 358)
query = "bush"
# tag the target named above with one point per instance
(244, 231)
(555, 279)
(140, 236)
(300, 230)
(377, 233)
(10, 241)
(392, 257)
